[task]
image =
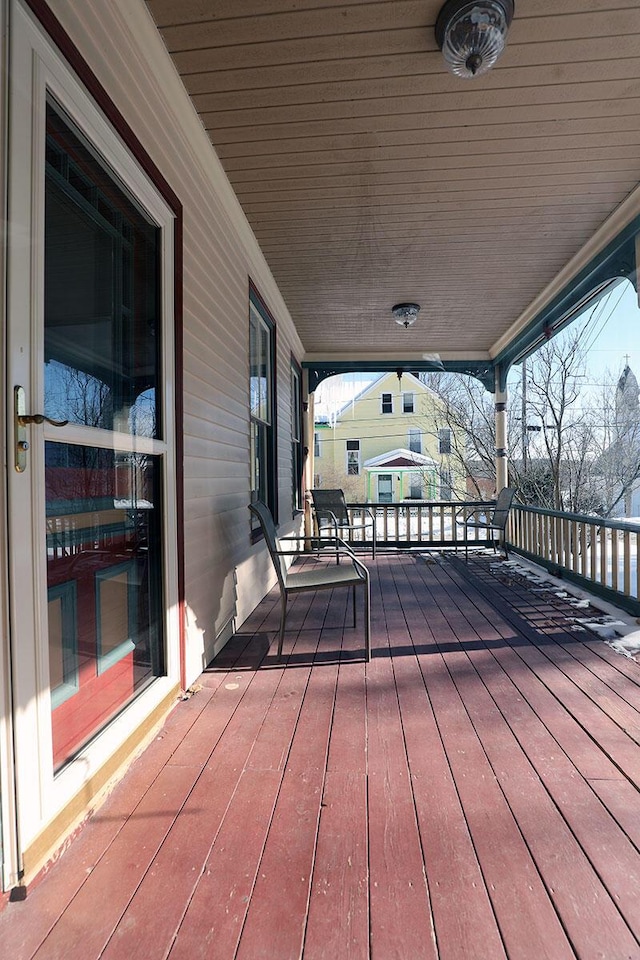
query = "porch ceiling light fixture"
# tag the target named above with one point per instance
(405, 313)
(472, 34)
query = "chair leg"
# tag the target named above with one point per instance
(353, 600)
(373, 544)
(466, 543)
(283, 618)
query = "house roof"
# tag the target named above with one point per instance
(399, 458)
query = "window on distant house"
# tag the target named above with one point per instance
(353, 458)
(444, 440)
(407, 403)
(317, 450)
(261, 380)
(296, 437)
(415, 440)
(386, 405)
(446, 484)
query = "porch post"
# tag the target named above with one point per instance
(502, 478)
(308, 403)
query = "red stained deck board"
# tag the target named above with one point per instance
(46, 899)
(101, 901)
(196, 750)
(183, 857)
(179, 864)
(575, 886)
(215, 915)
(463, 753)
(464, 920)
(338, 920)
(217, 910)
(585, 667)
(621, 800)
(532, 676)
(587, 654)
(625, 667)
(401, 923)
(613, 856)
(528, 922)
(603, 696)
(615, 743)
(276, 917)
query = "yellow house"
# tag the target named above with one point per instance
(389, 443)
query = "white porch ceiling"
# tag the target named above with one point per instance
(370, 175)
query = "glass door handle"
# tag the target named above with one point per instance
(25, 418)
(21, 419)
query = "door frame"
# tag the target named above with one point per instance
(39, 795)
(9, 840)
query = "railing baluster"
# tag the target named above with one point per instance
(614, 559)
(603, 555)
(626, 562)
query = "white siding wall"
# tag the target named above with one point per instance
(225, 576)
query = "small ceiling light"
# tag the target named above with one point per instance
(405, 313)
(472, 34)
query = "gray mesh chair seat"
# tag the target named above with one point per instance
(320, 576)
(332, 516)
(496, 522)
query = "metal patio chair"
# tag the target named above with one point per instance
(496, 521)
(331, 513)
(320, 576)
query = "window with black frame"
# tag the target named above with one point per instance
(261, 389)
(444, 441)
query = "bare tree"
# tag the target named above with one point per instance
(567, 449)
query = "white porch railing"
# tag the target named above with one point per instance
(419, 523)
(602, 555)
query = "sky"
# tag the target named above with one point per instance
(616, 337)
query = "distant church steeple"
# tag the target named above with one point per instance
(627, 403)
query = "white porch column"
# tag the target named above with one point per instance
(308, 402)
(502, 477)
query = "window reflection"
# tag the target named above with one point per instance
(101, 292)
(104, 572)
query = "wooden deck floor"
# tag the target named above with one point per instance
(471, 794)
